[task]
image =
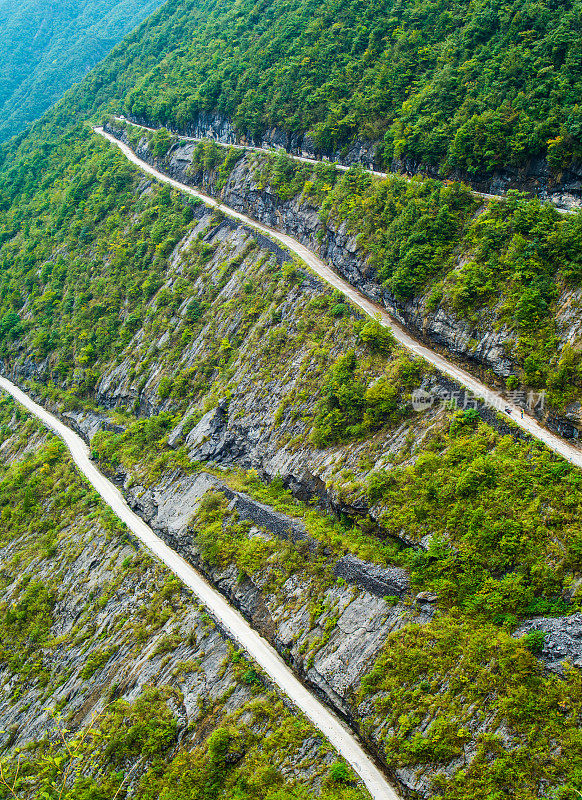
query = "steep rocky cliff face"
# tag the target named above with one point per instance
(328, 614)
(98, 638)
(480, 339)
(330, 630)
(398, 607)
(563, 189)
(244, 380)
(255, 420)
(216, 126)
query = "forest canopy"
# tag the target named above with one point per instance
(46, 46)
(461, 85)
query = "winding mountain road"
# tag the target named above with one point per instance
(306, 160)
(344, 741)
(478, 389)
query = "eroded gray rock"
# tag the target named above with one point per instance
(207, 438)
(87, 423)
(563, 642)
(379, 581)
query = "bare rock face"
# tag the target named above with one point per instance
(565, 189)
(380, 581)
(479, 343)
(338, 246)
(176, 436)
(169, 505)
(88, 423)
(563, 640)
(457, 336)
(333, 649)
(278, 524)
(207, 439)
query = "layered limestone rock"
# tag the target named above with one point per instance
(332, 650)
(332, 639)
(213, 125)
(252, 426)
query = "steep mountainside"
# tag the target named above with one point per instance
(496, 284)
(475, 88)
(420, 569)
(95, 634)
(47, 46)
(239, 359)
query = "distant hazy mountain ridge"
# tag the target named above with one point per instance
(47, 46)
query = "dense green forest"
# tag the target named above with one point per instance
(46, 46)
(470, 85)
(87, 243)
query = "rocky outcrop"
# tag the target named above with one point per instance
(169, 506)
(564, 189)
(121, 627)
(562, 640)
(207, 438)
(212, 125)
(380, 581)
(87, 423)
(331, 639)
(265, 517)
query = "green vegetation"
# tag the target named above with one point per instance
(411, 230)
(476, 87)
(86, 251)
(502, 517)
(349, 407)
(92, 278)
(47, 46)
(459, 679)
(238, 758)
(462, 681)
(222, 541)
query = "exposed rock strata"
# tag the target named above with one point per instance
(331, 651)
(117, 610)
(563, 189)
(479, 345)
(562, 646)
(382, 582)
